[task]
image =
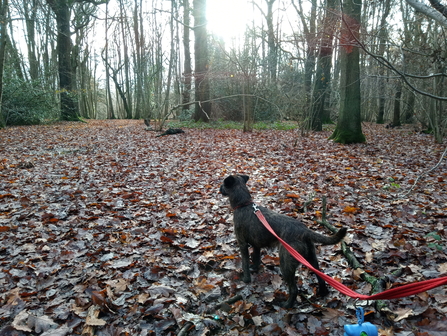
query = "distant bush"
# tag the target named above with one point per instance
(225, 124)
(25, 103)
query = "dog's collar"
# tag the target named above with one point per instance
(244, 205)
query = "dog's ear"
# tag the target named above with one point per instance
(229, 181)
(245, 178)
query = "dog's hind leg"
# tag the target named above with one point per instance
(288, 265)
(311, 257)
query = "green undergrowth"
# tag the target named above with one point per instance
(226, 124)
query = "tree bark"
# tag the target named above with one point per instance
(428, 11)
(383, 34)
(126, 61)
(109, 101)
(349, 127)
(187, 74)
(3, 23)
(309, 63)
(30, 17)
(273, 52)
(323, 72)
(396, 110)
(69, 105)
(202, 91)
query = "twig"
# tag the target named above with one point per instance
(186, 328)
(382, 60)
(309, 201)
(225, 97)
(425, 173)
(227, 302)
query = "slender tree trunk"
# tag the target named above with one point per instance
(396, 110)
(69, 105)
(247, 105)
(349, 127)
(170, 66)
(409, 107)
(30, 22)
(109, 101)
(271, 41)
(309, 29)
(202, 91)
(3, 32)
(14, 57)
(383, 35)
(127, 93)
(138, 59)
(187, 74)
(323, 72)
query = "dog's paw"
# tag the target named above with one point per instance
(246, 279)
(288, 304)
(322, 291)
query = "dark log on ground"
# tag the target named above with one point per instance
(171, 131)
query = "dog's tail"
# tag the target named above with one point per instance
(328, 240)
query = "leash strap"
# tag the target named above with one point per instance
(393, 293)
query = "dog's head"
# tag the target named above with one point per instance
(234, 187)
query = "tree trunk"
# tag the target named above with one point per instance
(396, 110)
(138, 59)
(109, 101)
(323, 72)
(187, 74)
(3, 23)
(383, 35)
(309, 63)
(30, 21)
(349, 127)
(69, 105)
(409, 107)
(202, 90)
(272, 53)
(171, 66)
(124, 33)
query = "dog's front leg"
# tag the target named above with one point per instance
(256, 258)
(245, 261)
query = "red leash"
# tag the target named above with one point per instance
(393, 293)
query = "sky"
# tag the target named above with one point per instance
(228, 18)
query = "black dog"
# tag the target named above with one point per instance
(250, 231)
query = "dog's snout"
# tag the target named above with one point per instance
(222, 191)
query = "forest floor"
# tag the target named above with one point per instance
(107, 230)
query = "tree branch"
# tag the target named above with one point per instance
(439, 7)
(429, 11)
(382, 60)
(225, 97)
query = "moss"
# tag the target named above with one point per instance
(347, 137)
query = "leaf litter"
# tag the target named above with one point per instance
(107, 230)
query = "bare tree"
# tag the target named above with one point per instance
(30, 14)
(323, 71)
(383, 36)
(69, 105)
(3, 32)
(67, 76)
(202, 91)
(187, 71)
(309, 28)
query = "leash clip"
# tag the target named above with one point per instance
(362, 328)
(255, 208)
